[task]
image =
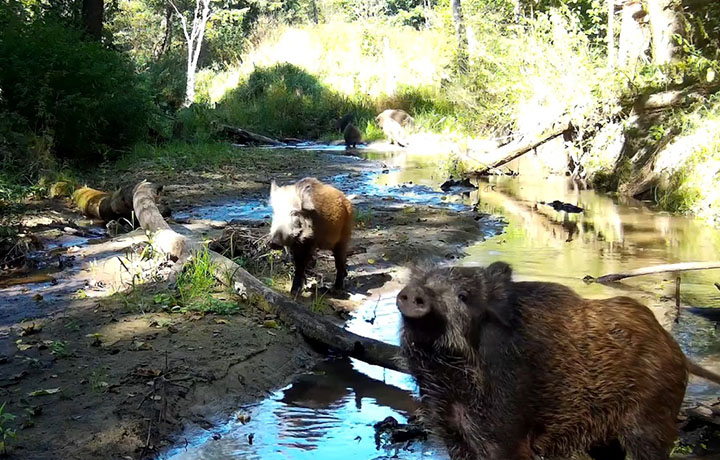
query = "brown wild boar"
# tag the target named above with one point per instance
(393, 123)
(351, 134)
(309, 215)
(513, 370)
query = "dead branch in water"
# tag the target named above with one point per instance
(665, 268)
(313, 327)
(515, 149)
(247, 137)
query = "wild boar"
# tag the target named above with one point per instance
(351, 134)
(393, 123)
(310, 215)
(514, 370)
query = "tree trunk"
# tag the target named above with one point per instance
(666, 21)
(665, 268)
(190, 79)
(246, 137)
(515, 149)
(313, 327)
(461, 36)
(633, 39)
(168, 32)
(194, 37)
(611, 34)
(314, 11)
(92, 13)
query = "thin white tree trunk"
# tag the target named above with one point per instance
(611, 34)
(193, 37)
(462, 42)
(633, 39)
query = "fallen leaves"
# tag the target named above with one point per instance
(44, 392)
(23, 346)
(29, 330)
(138, 345)
(95, 336)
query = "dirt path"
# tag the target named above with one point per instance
(123, 376)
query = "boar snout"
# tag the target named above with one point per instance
(412, 302)
(276, 242)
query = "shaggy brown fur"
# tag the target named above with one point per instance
(508, 370)
(309, 215)
(352, 136)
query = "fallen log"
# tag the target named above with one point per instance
(515, 149)
(93, 203)
(313, 327)
(665, 268)
(245, 136)
(107, 206)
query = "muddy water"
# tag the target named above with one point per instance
(329, 413)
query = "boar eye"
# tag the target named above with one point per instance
(462, 297)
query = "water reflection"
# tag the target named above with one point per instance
(326, 414)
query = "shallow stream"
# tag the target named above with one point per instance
(329, 413)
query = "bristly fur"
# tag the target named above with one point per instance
(310, 215)
(518, 370)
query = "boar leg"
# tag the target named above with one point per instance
(647, 448)
(301, 255)
(609, 451)
(340, 253)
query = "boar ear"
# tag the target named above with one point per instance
(498, 273)
(306, 199)
(498, 276)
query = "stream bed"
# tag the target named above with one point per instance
(329, 413)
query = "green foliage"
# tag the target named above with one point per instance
(412, 13)
(83, 97)
(6, 433)
(679, 196)
(195, 123)
(166, 78)
(284, 100)
(592, 14)
(98, 380)
(703, 19)
(364, 217)
(59, 348)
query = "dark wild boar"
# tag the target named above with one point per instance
(309, 215)
(351, 134)
(512, 370)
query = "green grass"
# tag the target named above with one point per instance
(318, 304)
(176, 157)
(59, 349)
(364, 217)
(196, 285)
(6, 433)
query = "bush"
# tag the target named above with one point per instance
(83, 96)
(284, 100)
